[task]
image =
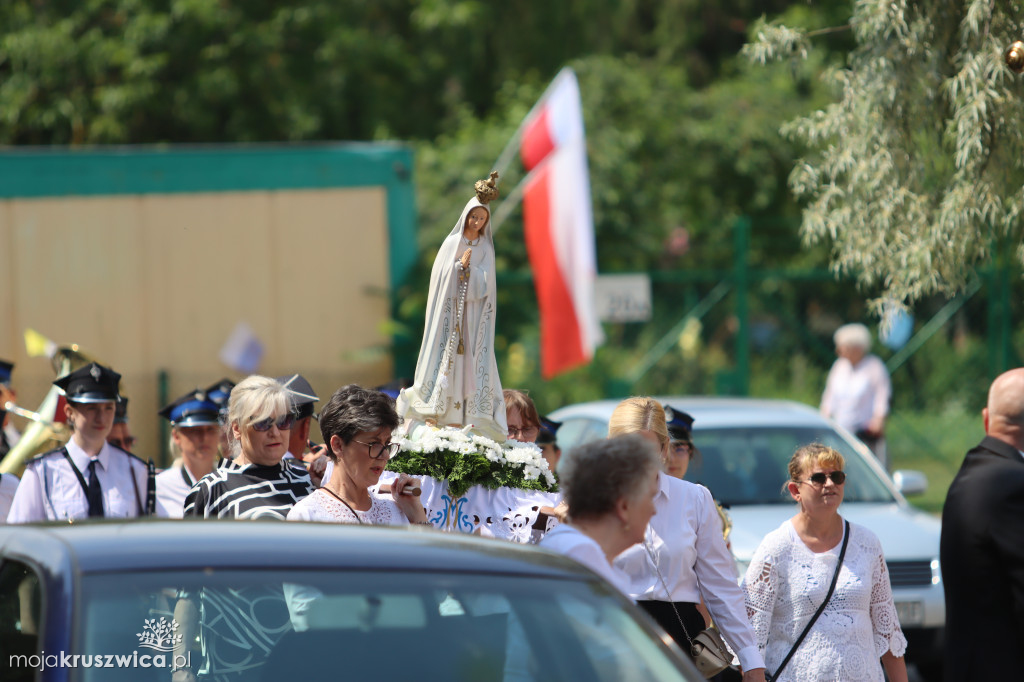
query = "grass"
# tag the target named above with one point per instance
(933, 443)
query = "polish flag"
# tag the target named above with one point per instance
(559, 226)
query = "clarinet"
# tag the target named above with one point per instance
(150, 488)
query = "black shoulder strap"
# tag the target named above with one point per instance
(78, 474)
(810, 623)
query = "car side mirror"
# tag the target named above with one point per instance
(910, 482)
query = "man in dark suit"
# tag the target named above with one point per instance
(982, 548)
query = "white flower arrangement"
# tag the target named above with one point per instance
(465, 459)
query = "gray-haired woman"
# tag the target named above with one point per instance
(609, 487)
(356, 424)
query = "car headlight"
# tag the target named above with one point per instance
(936, 572)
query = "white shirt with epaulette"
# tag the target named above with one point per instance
(50, 490)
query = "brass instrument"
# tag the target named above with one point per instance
(43, 433)
(726, 522)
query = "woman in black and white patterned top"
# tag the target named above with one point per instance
(255, 484)
(356, 424)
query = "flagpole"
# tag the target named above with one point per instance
(502, 164)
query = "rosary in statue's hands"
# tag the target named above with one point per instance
(465, 259)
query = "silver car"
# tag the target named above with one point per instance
(745, 447)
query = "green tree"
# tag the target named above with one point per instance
(914, 171)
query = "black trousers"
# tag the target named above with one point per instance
(665, 614)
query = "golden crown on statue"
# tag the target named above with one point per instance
(487, 190)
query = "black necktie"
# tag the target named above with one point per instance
(94, 493)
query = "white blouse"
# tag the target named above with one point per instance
(685, 538)
(574, 544)
(787, 582)
(322, 506)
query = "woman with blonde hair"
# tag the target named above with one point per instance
(826, 579)
(683, 555)
(254, 484)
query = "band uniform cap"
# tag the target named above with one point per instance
(301, 394)
(548, 431)
(5, 371)
(121, 411)
(680, 424)
(93, 383)
(192, 409)
(220, 392)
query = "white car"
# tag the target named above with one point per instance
(745, 447)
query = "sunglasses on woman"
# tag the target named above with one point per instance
(282, 423)
(838, 477)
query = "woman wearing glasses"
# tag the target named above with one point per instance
(356, 424)
(857, 633)
(254, 484)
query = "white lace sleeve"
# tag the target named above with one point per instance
(759, 589)
(884, 621)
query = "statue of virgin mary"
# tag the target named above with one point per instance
(456, 381)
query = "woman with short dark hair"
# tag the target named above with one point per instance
(609, 487)
(356, 424)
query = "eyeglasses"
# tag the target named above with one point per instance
(384, 450)
(838, 477)
(282, 423)
(681, 448)
(523, 431)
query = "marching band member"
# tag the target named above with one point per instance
(88, 477)
(120, 435)
(9, 436)
(302, 398)
(195, 437)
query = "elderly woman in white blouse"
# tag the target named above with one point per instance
(857, 633)
(683, 554)
(609, 488)
(356, 424)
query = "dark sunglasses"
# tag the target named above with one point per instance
(283, 423)
(383, 450)
(838, 477)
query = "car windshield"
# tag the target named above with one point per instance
(748, 465)
(271, 625)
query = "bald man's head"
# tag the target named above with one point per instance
(1004, 415)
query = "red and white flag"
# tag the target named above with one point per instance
(559, 226)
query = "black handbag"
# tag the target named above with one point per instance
(831, 588)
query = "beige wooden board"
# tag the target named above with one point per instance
(157, 282)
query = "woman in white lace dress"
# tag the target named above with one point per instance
(858, 633)
(356, 424)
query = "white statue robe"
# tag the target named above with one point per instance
(449, 387)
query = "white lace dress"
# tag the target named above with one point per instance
(786, 583)
(322, 506)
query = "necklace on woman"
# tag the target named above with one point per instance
(342, 500)
(471, 242)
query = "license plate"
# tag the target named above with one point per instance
(909, 612)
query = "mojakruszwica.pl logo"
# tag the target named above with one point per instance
(159, 636)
